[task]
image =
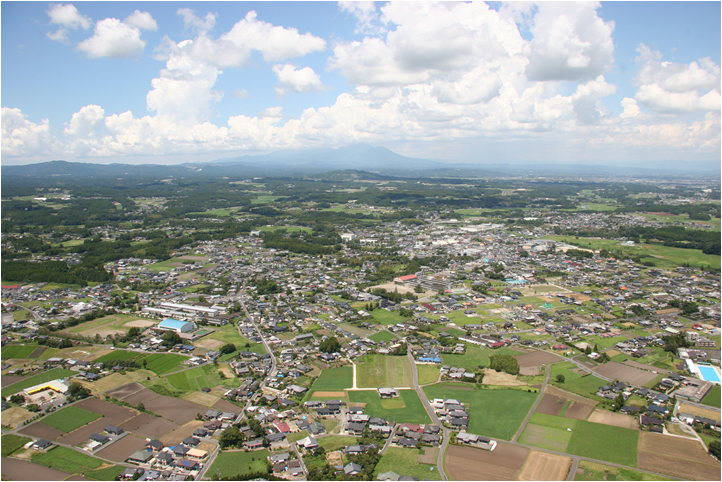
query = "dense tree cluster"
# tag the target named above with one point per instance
(504, 363)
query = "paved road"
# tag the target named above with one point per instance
(432, 414)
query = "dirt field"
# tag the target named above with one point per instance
(625, 373)
(226, 370)
(123, 448)
(616, 419)
(7, 380)
(226, 406)
(148, 426)
(676, 456)
(139, 324)
(492, 377)
(108, 410)
(201, 398)
(329, 394)
(578, 410)
(531, 371)
(177, 435)
(334, 458)
(15, 416)
(97, 354)
(40, 430)
(391, 287)
(536, 359)
(174, 409)
(209, 343)
(552, 390)
(115, 380)
(702, 412)
(550, 405)
(430, 456)
(125, 390)
(641, 366)
(543, 466)
(468, 463)
(14, 469)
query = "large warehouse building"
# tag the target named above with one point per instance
(177, 325)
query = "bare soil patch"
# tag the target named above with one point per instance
(334, 458)
(666, 464)
(201, 398)
(578, 410)
(14, 469)
(550, 405)
(579, 297)
(552, 390)
(226, 370)
(176, 436)
(537, 358)
(37, 352)
(125, 390)
(174, 409)
(148, 426)
(15, 416)
(452, 387)
(391, 287)
(7, 380)
(544, 466)
(103, 333)
(702, 412)
(139, 324)
(114, 380)
(209, 343)
(625, 373)
(612, 353)
(123, 448)
(329, 394)
(612, 418)
(40, 430)
(468, 463)
(641, 366)
(430, 456)
(97, 354)
(492, 377)
(107, 410)
(685, 449)
(530, 371)
(226, 406)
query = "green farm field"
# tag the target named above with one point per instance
(236, 464)
(160, 363)
(383, 335)
(229, 334)
(335, 442)
(428, 373)
(374, 371)
(385, 318)
(17, 351)
(53, 374)
(594, 471)
(412, 411)
(405, 461)
(713, 397)
(334, 379)
(197, 378)
(585, 385)
(11, 443)
(474, 357)
(67, 460)
(70, 418)
(492, 413)
(108, 473)
(117, 355)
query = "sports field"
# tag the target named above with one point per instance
(53, 374)
(492, 413)
(713, 397)
(334, 379)
(70, 418)
(375, 371)
(406, 408)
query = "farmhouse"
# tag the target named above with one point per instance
(388, 393)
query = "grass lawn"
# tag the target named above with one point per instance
(428, 373)
(295, 437)
(334, 379)
(383, 335)
(713, 397)
(53, 374)
(17, 351)
(548, 432)
(67, 460)
(160, 363)
(604, 442)
(474, 357)
(594, 471)
(108, 473)
(234, 464)
(492, 413)
(405, 462)
(413, 410)
(385, 318)
(374, 371)
(10, 443)
(68, 419)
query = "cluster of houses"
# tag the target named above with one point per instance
(451, 412)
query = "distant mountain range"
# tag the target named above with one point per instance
(361, 157)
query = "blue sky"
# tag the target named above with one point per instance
(167, 82)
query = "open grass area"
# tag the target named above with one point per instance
(229, 334)
(405, 461)
(70, 418)
(236, 464)
(474, 357)
(595, 471)
(197, 378)
(385, 318)
(374, 371)
(117, 355)
(713, 397)
(546, 434)
(492, 413)
(383, 335)
(53, 374)
(334, 379)
(412, 412)
(108, 473)
(604, 442)
(335, 442)
(585, 385)
(428, 373)
(111, 322)
(11, 443)
(160, 363)
(67, 460)
(17, 351)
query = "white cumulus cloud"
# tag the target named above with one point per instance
(23, 138)
(141, 20)
(301, 80)
(68, 16)
(366, 15)
(194, 22)
(113, 38)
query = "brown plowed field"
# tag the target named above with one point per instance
(468, 463)
(550, 405)
(148, 426)
(40, 430)
(578, 410)
(531, 371)
(122, 449)
(14, 469)
(177, 435)
(83, 433)
(174, 409)
(611, 418)
(227, 406)
(37, 352)
(552, 390)
(125, 390)
(625, 373)
(7, 380)
(107, 410)
(702, 412)
(537, 358)
(676, 456)
(641, 366)
(14, 416)
(543, 466)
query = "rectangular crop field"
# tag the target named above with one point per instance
(428, 373)
(585, 384)
(595, 471)
(376, 371)
(53, 374)
(406, 461)
(197, 378)
(334, 379)
(10, 443)
(492, 413)
(160, 363)
(604, 442)
(67, 460)
(474, 357)
(236, 464)
(70, 418)
(117, 355)
(412, 411)
(17, 351)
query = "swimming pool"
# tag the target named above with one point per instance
(709, 373)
